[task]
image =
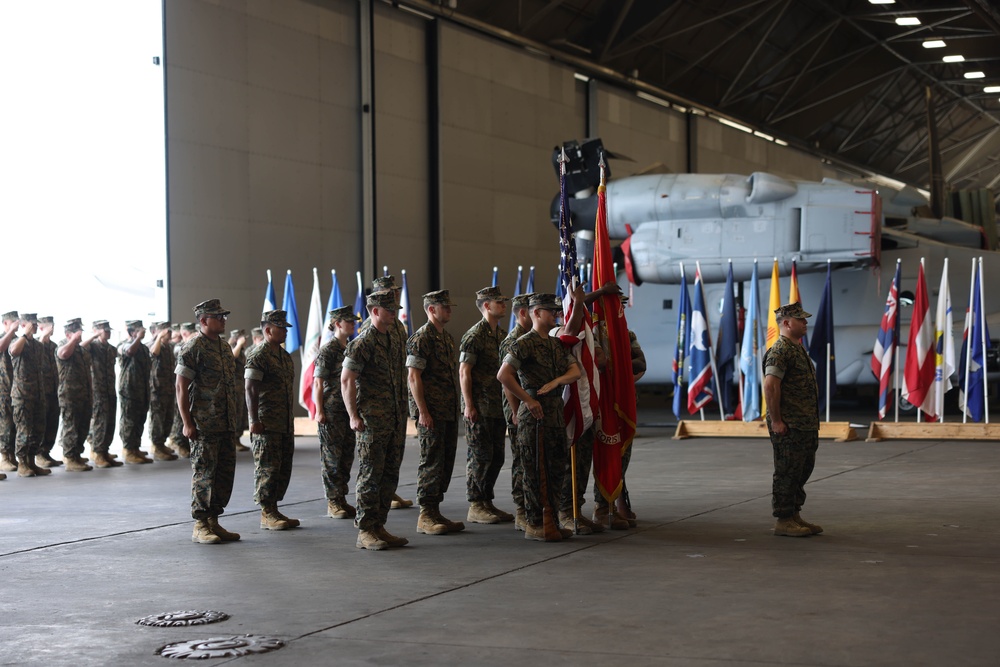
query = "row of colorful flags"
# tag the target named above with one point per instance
(318, 331)
(930, 359)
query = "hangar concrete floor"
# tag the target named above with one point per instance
(907, 572)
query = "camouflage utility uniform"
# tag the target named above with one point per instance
(177, 437)
(538, 361)
(271, 366)
(243, 422)
(433, 353)
(162, 397)
(516, 467)
(50, 387)
(7, 430)
(378, 360)
(133, 391)
(336, 439)
(76, 399)
(102, 375)
(212, 394)
(28, 400)
(480, 348)
(795, 451)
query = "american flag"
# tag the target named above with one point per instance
(581, 397)
(884, 355)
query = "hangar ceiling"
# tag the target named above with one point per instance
(841, 77)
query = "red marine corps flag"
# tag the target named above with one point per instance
(616, 419)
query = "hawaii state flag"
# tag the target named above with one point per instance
(750, 353)
(681, 349)
(699, 352)
(918, 371)
(294, 339)
(310, 348)
(616, 418)
(884, 354)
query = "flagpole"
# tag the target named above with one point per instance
(829, 344)
(895, 382)
(968, 342)
(908, 351)
(939, 389)
(982, 335)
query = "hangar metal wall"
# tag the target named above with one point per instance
(264, 151)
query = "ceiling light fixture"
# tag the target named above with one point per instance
(991, 89)
(934, 44)
(882, 2)
(907, 20)
(741, 128)
(954, 59)
(975, 75)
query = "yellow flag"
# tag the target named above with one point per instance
(793, 289)
(772, 326)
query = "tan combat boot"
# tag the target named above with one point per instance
(203, 534)
(579, 527)
(339, 509)
(25, 470)
(391, 539)
(135, 457)
(7, 463)
(453, 526)
(76, 464)
(480, 513)
(46, 461)
(400, 503)
(601, 515)
(39, 471)
(102, 460)
(430, 522)
(269, 519)
(294, 523)
(537, 533)
(505, 517)
(161, 453)
(220, 532)
(813, 528)
(787, 527)
(520, 519)
(370, 540)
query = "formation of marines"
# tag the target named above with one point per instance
(201, 391)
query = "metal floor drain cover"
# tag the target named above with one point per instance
(220, 647)
(174, 619)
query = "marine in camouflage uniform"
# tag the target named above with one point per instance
(373, 385)
(432, 363)
(133, 392)
(336, 439)
(206, 401)
(178, 440)
(50, 387)
(28, 397)
(522, 325)
(162, 400)
(238, 341)
(102, 376)
(541, 365)
(269, 390)
(8, 461)
(792, 420)
(482, 406)
(75, 395)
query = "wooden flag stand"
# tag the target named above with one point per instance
(879, 431)
(837, 431)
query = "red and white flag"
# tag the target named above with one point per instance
(310, 348)
(921, 355)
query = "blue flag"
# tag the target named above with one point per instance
(517, 290)
(270, 303)
(404, 307)
(333, 303)
(531, 280)
(975, 342)
(294, 339)
(750, 352)
(823, 334)
(494, 276)
(700, 391)
(680, 351)
(725, 355)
